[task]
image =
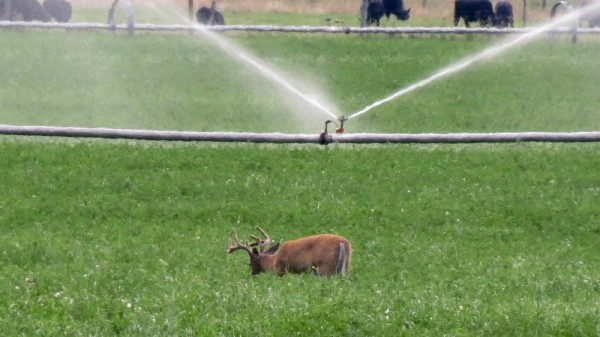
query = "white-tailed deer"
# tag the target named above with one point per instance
(326, 254)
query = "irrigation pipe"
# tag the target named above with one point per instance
(287, 29)
(324, 138)
(50, 131)
(454, 138)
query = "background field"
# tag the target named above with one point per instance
(129, 238)
(183, 82)
(298, 12)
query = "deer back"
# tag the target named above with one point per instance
(326, 253)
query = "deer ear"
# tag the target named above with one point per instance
(273, 249)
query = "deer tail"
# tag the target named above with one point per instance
(344, 258)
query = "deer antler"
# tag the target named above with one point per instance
(262, 244)
(235, 244)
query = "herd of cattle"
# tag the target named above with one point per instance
(481, 11)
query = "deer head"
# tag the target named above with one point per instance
(260, 260)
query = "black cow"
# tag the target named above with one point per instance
(205, 14)
(24, 10)
(504, 14)
(375, 12)
(396, 7)
(473, 11)
(59, 10)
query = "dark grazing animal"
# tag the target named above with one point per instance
(375, 12)
(59, 10)
(396, 7)
(473, 11)
(210, 16)
(504, 14)
(23, 10)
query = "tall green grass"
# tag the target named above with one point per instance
(130, 239)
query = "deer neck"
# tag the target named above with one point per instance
(267, 261)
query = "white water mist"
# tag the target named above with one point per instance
(268, 72)
(485, 54)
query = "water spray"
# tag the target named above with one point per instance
(488, 53)
(266, 71)
(568, 8)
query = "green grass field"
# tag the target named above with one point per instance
(129, 238)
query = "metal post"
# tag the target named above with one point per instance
(363, 13)
(213, 7)
(130, 17)
(524, 13)
(111, 16)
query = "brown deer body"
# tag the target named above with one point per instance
(326, 254)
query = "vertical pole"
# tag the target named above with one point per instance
(213, 7)
(130, 17)
(363, 13)
(524, 13)
(111, 15)
(191, 9)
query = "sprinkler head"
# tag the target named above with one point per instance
(340, 129)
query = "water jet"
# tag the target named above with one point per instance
(567, 8)
(487, 53)
(266, 71)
